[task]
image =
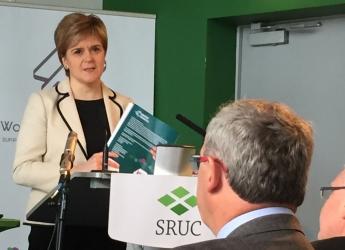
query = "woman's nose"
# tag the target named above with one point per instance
(88, 55)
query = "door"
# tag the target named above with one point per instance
(308, 74)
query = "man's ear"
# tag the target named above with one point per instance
(215, 175)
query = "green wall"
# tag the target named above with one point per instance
(195, 55)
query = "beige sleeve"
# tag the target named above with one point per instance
(30, 167)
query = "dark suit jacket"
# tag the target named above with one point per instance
(280, 231)
(336, 243)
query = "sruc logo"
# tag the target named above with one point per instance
(179, 201)
(180, 195)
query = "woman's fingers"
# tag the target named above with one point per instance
(113, 165)
(113, 154)
(95, 163)
(153, 152)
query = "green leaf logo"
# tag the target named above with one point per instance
(179, 200)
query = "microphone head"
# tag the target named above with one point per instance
(71, 142)
(67, 157)
(178, 116)
(191, 124)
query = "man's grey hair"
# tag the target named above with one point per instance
(266, 147)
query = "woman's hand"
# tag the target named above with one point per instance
(95, 163)
(153, 152)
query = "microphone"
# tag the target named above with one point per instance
(191, 124)
(67, 157)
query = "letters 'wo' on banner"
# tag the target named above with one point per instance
(157, 211)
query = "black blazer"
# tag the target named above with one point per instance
(280, 231)
(336, 243)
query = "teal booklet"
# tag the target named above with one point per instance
(135, 134)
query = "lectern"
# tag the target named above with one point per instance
(87, 204)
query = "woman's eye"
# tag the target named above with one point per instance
(96, 49)
(77, 51)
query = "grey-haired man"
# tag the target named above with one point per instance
(252, 177)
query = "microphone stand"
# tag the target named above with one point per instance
(105, 157)
(65, 177)
(105, 154)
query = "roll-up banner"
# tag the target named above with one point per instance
(29, 63)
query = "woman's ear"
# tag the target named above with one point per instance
(64, 63)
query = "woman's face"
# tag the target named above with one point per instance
(85, 60)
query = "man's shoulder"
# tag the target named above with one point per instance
(227, 243)
(281, 231)
(278, 231)
(334, 243)
(250, 243)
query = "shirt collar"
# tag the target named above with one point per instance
(229, 227)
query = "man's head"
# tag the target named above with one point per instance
(267, 151)
(332, 216)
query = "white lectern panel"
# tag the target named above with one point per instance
(157, 211)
